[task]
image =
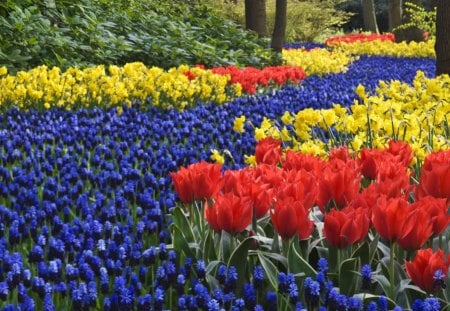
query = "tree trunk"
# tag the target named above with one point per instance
(255, 16)
(369, 17)
(442, 46)
(279, 29)
(395, 13)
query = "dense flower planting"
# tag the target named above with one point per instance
(110, 87)
(318, 60)
(359, 38)
(416, 113)
(402, 49)
(90, 219)
(345, 204)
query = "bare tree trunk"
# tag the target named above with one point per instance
(255, 16)
(279, 29)
(395, 13)
(442, 46)
(369, 17)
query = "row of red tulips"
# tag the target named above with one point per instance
(354, 193)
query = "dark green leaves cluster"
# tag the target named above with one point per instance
(68, 33)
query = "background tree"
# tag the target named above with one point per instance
(395, 13)
(279, 30)
(369, 17)
(255, 16)
(442, 46)
(408, 31)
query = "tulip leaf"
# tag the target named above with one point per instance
(180, 219)
(362, 252)
(347, 277)
(180, 243)
(225, 245)
(270, 269)
(373, 245)
(298, 264)
(212, 265)
(239, 258)
(208, 248)
(382, 281)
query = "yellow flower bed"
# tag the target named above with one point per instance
(318, 61)
(389, 48)
(417, 114)
(111, 86)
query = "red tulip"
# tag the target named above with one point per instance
(262, 197)
(339, 182)
(237, 181)
(229, 213)
(199, 181)
(417, 228)
(436, 209)
(368, 161)
(401, 151)
(393, 180)
(301, 185)
(289, 217)
(268, 151)
(345, 227)
(340, 153)
(422, 269)
(298, 160)
(268, 174)
(435, 176)
(389, 216)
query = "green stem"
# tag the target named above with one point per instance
(286, 245)
(391, 272)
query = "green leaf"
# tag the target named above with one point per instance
(270, 270)
(347, 279)
(382, 281)
(225, 245)
(180, 243)
(181, 220)
(239, 258)
(299, 265)
(208, 248)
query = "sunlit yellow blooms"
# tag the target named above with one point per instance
(250, 160)
(285, 135)
(260, 134)
(315, 147)
(217, 157)
(402, 49)
(113, 86)
(238, 124)
(318, 61)
(397, 110)
(3, 70)
(287, 118)
(361, 91)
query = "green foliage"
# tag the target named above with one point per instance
(421, 18)
(87, 32)
(306, 19)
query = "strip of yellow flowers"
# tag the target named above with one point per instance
(318, 61)
(417, 114)
(389, 48)
(111, 86)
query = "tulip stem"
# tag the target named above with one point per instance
(391, 272)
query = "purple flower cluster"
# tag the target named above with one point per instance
(84, 196)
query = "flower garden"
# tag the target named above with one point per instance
(321, 184)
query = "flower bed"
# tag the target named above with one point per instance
(85, 198)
